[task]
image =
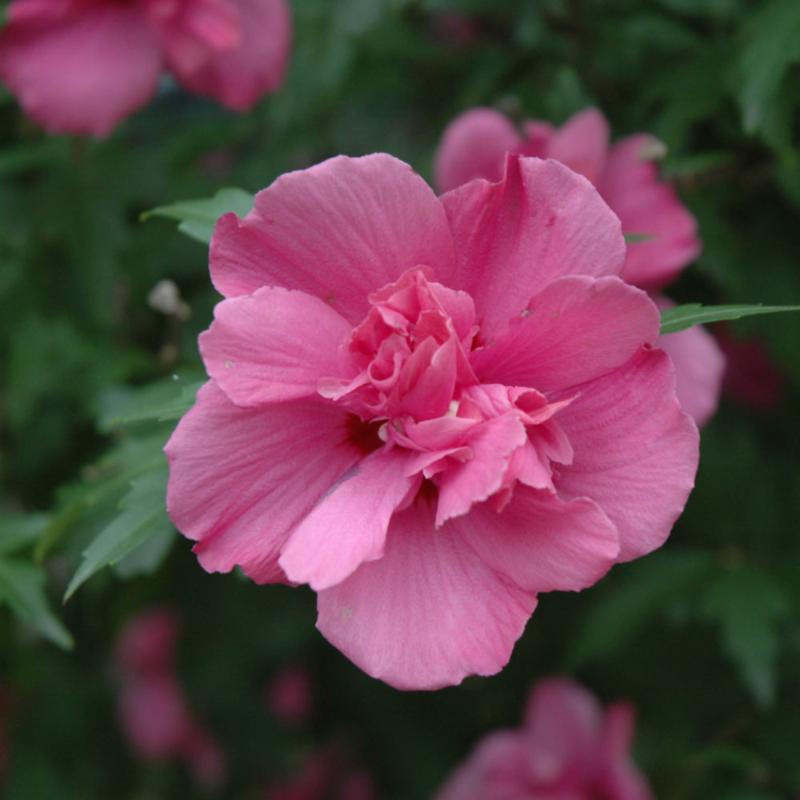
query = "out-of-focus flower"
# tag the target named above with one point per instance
(81, 66)
(153, 711)
(429, 410)
(289, 695)
(662, 231)
(566, 749)
(325, 775)
(752, 378)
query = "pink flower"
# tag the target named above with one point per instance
(566, 749)
(289, 695)
(81, 66)
(752, 378)
(153, 712)
(429, 410)
(325, 775)
(474, 146)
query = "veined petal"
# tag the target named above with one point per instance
(574, 330)
(427, 614)
(541, 222)
(273, 345)
(636, 452)
(241, 479)
(338, 230)
(348, 526)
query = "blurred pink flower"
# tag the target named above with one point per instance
(474, 146)
(429, 410)
(81, 66)
(289, 695)
(325, 775)
(153, 712)
(752, 378)
(566, 749)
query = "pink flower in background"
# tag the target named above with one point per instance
(566, 749)
(153, 711)
(428, 409)
(752, 378)
(474, 146)
(81, 66)
(289, 695)
(325, 775)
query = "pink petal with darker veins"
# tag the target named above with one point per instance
(542, 222)
(339, 230)
(474, 145)
(80, 68)
(582, 143)
(574, 330)
(273, 345)
(348, 526)
(648, 206)
(427, 614)
(242, 479)
(636, 452)
(541, 543)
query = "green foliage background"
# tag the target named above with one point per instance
(703, 635)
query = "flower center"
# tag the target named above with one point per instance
(412, 388)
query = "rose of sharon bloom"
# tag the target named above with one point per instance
(153, 711)
(474, 146)
(428, 409)
(81, 66)
(566, 749)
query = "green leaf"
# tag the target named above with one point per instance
(198, 217)
(637, 238)
(679, 318)
(749, 606)
(22, 589)
(638, 593)
(162, 401)
(772, 45)
(17, 531)
(143, 516)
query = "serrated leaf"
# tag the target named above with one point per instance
(635, 597)
(142, 516)
(22, 589)
(148, 556)
(197, 218)
(680, 318)
(749, 606)
(163, 401)
(17, 531)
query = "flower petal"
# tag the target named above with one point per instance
(79, 68)
(238, 75)
(575, 330)
(273, 345)
(647, 206)
(429, 612)
(542, 543)
(348, 526)
(474, 145)
(582, 143)
(498, 768)
(636, 452)
(563, 721)
(699, 368)
(242, 479)
(338, 230)
(541, 222)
